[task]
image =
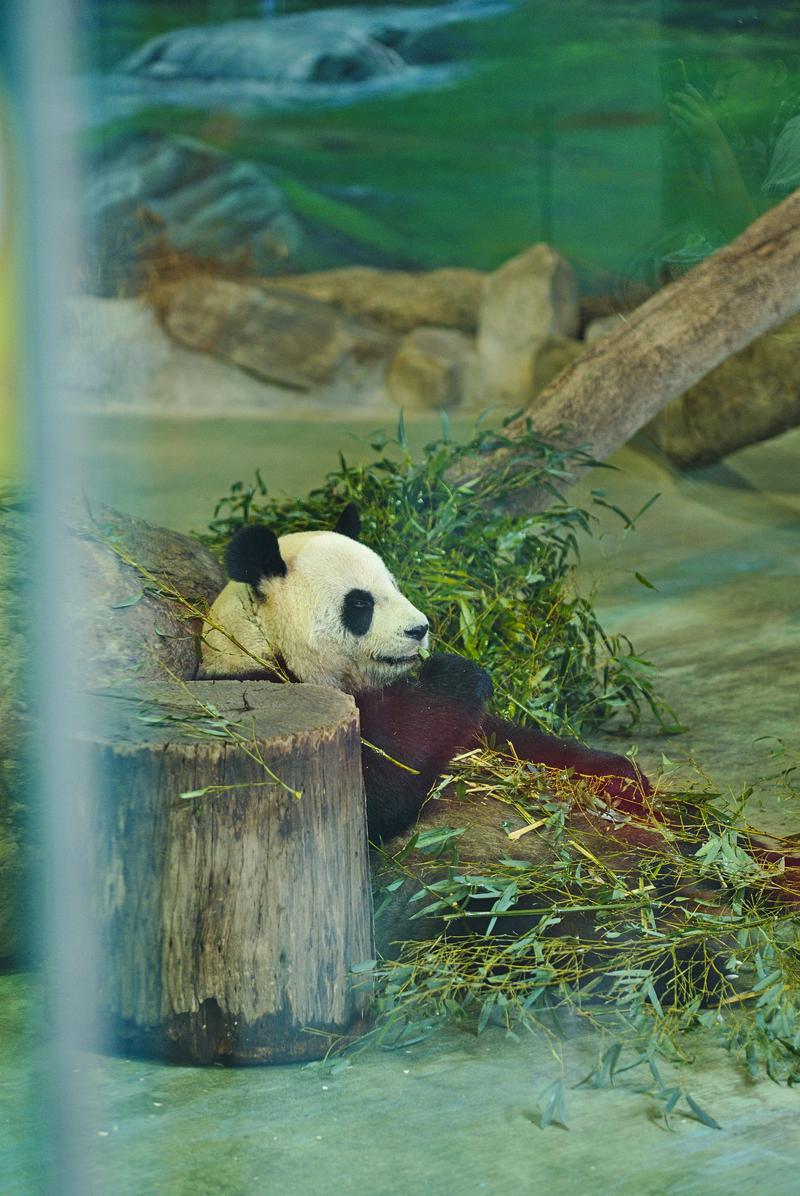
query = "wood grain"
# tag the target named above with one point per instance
(661, 349)
(229, 922)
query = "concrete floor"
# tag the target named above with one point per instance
(722, 626)
(458, 1114)
(455, 1115)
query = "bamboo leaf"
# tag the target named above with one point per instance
(554, 1112)
(701, 1114)
(134, 598)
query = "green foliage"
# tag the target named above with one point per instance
(647, 943)
(684, 932)
(496, 587)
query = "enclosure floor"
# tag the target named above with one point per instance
(721, 546)
(458, 1114)
(451, 1116)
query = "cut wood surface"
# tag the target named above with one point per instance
(665, 346)
(229, 922)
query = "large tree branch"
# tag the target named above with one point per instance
(666, 345)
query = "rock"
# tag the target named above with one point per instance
(323, 47)
(751, 396)
(528, 299)
(287, 48)
(601, 327)
(128, 632)
(432, 368)
(150, 190)
(551, 357)
(121, 359)
(396, 299)
(277, 335)
(133, 626)
(294, 341)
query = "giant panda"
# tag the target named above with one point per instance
(321, 607)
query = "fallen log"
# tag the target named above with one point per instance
(230, 871)
(660, 350)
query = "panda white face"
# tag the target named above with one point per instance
(320, 602)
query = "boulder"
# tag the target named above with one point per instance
(396, 299)
(552, 356)
(433, 368)
(530, 298)
(131, 629)
(135, 574)
(121, 359)
(279, 336)
(150, 191)
(287, 48)
(751, 396)
(596, 329)
(324, 47)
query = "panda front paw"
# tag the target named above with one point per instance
(456, 678)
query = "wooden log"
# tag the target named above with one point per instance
(662, 348)
(228, 922)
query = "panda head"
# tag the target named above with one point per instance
(321, 602)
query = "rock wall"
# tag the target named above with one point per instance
(148, 195)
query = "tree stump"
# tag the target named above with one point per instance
(228, 920)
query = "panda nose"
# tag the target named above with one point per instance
(417, 633)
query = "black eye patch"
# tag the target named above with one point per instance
(357, 611)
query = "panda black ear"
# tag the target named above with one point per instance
(349, 522)
(253, 556)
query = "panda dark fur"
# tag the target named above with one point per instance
(321, 607)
